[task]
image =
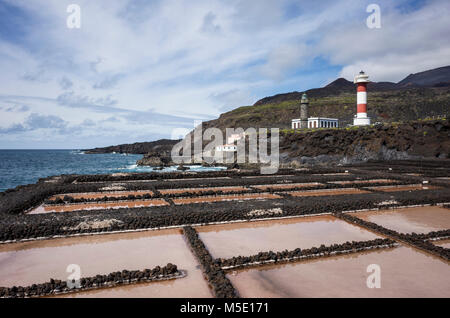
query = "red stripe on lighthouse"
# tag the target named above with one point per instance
(362, 87)
(361, 108)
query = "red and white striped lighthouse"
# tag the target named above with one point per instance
(361, 118)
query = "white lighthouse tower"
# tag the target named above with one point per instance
(361, 118)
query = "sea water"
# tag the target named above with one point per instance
(20, 167)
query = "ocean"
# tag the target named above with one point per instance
(20, 167)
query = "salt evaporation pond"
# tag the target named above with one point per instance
(28, 263)
(287, 186)
(399, 188)
(443, 243)
(405, 272)
(408, 220)
(363, 181)
(98, 206)
(249, 238)
(324, 192)
(100, 195)
(200, 190)
(220, 198)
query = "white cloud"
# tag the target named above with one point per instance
(406, 43)
(285, 60)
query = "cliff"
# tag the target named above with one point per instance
(136, 148)
(413, 140)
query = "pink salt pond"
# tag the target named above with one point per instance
(332, 174)
(98, 206)
(408, 220)
(200, 190)
(363, 181)
(36, 262)
(398, 188)
(288, 185)
(220, 198)
(269, 176)
(405, 272)
(442, 243)
(99, 195)
(324, 192)
(249, 238)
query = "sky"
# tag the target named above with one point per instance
(141, 70)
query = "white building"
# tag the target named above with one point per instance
(323, 122)
(311, 122)
(317, 122)
(235, 137)
(230, 145)
(227, 148)
(296, 123)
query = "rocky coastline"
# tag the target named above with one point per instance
(414, 140)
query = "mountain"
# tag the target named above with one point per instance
(439, 77)
(136, 148)
(341, 84)
(434, 77)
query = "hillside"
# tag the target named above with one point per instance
(435, 77)
(417, 96)
(136, 148)
(383, 106)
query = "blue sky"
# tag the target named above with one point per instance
(139, 70)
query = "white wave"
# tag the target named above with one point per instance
(77, 152)
(129, 167)
(136, 168)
